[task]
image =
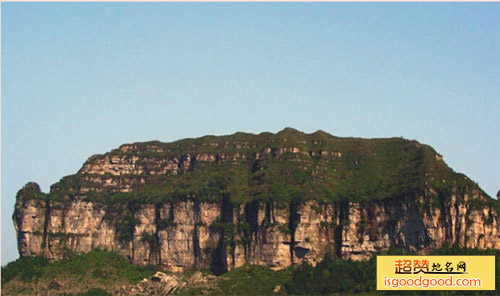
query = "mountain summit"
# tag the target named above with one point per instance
(219, 202)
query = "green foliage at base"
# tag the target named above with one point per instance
(104, 266)
(246, 280)
(333, 275)
(252, 280)
(25, 268)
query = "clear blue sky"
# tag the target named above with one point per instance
(83, 78)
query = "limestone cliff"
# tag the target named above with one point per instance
(268, 199)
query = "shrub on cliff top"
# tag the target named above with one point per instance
(31, 191)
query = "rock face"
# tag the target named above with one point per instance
(216, 203)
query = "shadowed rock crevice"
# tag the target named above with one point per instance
(292, 224)
(46, 224)
(342, 212)
(196, 234)
(219, 260)
(251, 211)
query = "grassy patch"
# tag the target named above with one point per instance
(25, 269)
(246, 280)
(252, 280)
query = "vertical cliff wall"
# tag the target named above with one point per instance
(191, 234)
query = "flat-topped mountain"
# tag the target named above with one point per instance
(219, 202)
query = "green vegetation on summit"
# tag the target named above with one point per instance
(282, 167)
